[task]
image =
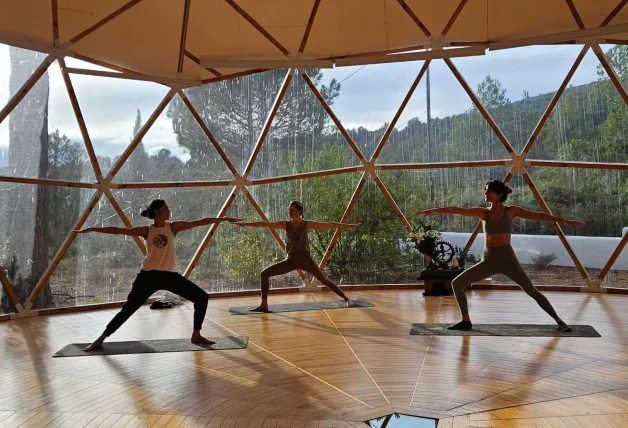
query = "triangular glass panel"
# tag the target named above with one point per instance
(174, 149)
(35, 222)
(589, 122)
(366, 98)
(184, 204)
(110, 108)
(517, 85)
(302, 138)
(415, 190)
(323, 199)
(617, 276)
(97, 268)
(236, 110)
(41, 138)
(449, 129)
(236, 256)
(370, 253)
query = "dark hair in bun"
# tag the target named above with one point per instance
(150, 209)
(500, 188)
(299, 206)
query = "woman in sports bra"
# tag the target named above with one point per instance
(159, 268)
(297, 250)
(498, 256)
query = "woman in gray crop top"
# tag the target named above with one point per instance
(498, 255)
(297, 250)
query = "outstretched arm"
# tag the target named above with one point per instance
(268, 224)
(538, 215)
(130, 231)
(179, 226)
(314, 225)
(467, 212)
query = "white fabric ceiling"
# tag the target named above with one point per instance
(146, 38)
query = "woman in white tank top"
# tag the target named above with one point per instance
(159, 267)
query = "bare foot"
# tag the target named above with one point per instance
(198, 339)
(263, 307)
(97, 344)
(349, 302)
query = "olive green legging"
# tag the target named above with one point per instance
(297, 260)
(498, 260)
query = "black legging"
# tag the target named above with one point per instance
(151, 281)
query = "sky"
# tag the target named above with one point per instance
(369, 96)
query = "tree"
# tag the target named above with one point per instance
(491, 94)
(235, 112)
(27, 224)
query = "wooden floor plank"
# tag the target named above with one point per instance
(325, 368)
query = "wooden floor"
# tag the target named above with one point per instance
(325, 368)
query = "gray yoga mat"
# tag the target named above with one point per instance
(302, 306)
(154, 346)
(527, 330)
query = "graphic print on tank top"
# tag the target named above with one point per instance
(160, 241)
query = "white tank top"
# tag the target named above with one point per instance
(160, 249)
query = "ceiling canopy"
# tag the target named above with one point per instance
(209, 39)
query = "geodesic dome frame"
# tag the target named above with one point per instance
(89, 39)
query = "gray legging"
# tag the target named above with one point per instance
(498, 260)
(297, 260)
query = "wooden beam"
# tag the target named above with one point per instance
(208, 133)
(210, 233)
(332, 115)
(345, 217)
(27, 86)
(557, 229)
(442, 165)
(454, 17)
(8, 288)
(610, 70)
(62, 250)
(393, 123)
(47, 182)
(613, 258)
(134, 76)
(138, 138)
(55, 23)
(81, 122)
(233, 75)
(392, 202)
(184, 33)
(105, 64)
(414, 18)
(171, 184)
(305, 175)
(576, 15)
(614, 13)
(198, 61)
(574, 164)
(308, 28)
(553, 102)
(125, 219)
(479, 106)
(258, 27)
(102, 22)
(269, 121)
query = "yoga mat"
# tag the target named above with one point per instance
(527, 330)
(154, 346)
(302, 306)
